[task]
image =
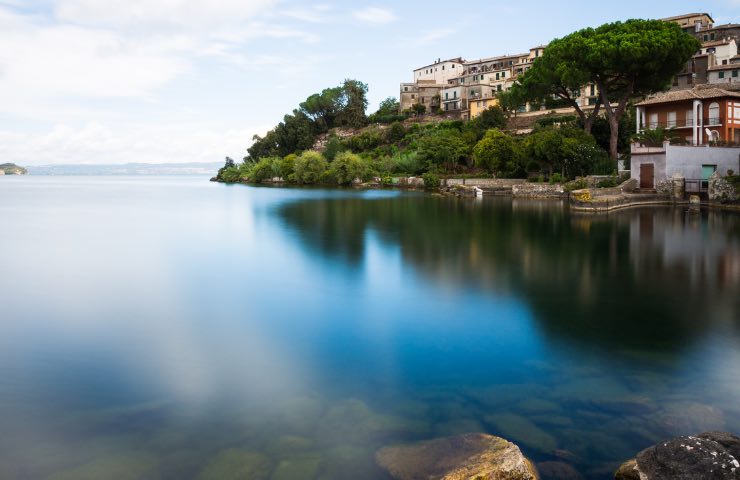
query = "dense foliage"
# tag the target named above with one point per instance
(622, 59)
(342, 106)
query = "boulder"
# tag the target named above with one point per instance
(708, 456)
(473, 455)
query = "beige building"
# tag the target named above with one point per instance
(440, 71)
(692, 22)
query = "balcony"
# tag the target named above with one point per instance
(689, 123)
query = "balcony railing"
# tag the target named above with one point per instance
(689, 123)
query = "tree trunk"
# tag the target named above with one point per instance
(614, 115)
(613, 136)
(588, 123)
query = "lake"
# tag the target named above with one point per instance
(169, 327)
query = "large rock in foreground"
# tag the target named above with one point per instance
(709, 456)
(473, 455)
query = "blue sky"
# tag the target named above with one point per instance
(96, 81)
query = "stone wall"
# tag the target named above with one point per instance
(483, 182)
(537, 190)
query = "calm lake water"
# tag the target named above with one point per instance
(174, 328)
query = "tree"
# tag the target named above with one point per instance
(569, 151)
(511, 100)
(419, 108)
(498, 153)
(492, 117)
(555, 73)
(444, 147)
(309, 167)
(322, 108)
(627, 59)
(389, 106)
(353, 104)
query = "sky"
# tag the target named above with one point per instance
(164, 81)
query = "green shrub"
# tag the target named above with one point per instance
(607, 182)
(346, 167)
(431, 181)
(396, 132)
(231, 174)
(499, 153)
(287, 166)
(577, 184)
(264, 169)
(309, 167)
(533, 166)
(386, 180)
(334, 146)
(365, 141)
(556, 178)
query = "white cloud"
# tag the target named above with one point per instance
(191, 14)
(375, 15)
(148, 143)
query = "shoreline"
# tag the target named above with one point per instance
(517, 188)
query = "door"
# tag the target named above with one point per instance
(647, 175)
(706, 172)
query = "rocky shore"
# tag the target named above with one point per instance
(707, 456)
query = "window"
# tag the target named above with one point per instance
(714, 114)
(671, 120)
(711, 36)
(454, 94)
(706, 37)
(497, 76)
(593, 90)
(653, 121)
(721, 74)
(498, 88)
(405, 89)
(453, 65)
(503, 74)
(734, 74)
(443, 67)
(413, 96)
(689, 118)
(447, 95)
(481, 77)
(422, 100)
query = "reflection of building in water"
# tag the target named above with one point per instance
(687, 243)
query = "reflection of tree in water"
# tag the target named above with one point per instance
(652, 278)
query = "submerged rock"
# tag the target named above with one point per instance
(713, 455)
(473, 455)
(687, 417)
(558, 471)
(523, 430)
(126, 465)
(298, 468)
(236, 464)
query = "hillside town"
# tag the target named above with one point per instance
(467, 87)
(702, 106)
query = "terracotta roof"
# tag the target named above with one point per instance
(717, 43)
(729, 66)
(693, 94)
(687, 15)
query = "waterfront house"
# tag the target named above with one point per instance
(701, 115)
(706, 119)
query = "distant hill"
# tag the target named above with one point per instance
(200, 168)
(12, 169)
